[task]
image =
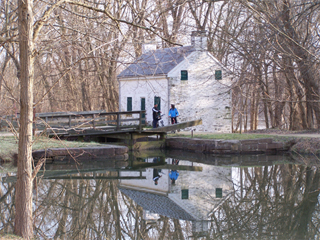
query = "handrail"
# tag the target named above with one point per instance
(65, 120)
(94, 118)
(84, 113)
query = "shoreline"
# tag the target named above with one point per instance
(305, 144)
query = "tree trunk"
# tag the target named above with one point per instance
(252, 106)
(278, 89)
(23, 200)
(305, 66)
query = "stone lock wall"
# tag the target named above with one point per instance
(84, 153)
(265, 145)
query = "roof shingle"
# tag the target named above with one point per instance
(157, 62)
(158, 204)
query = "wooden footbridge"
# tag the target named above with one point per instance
(128, 127)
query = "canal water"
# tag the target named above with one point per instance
(172, 195)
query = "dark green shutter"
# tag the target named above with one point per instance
(129, 104)
(157, 100)
(184, 75)
(185, 194)
(218, 192)
(143, 107)
(218, 74)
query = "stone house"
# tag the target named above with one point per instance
(188, 77)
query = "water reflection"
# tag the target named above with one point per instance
(213, 198)
(199, 191)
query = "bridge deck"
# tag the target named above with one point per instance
(128, 127)
(106, 130)
(174, 127)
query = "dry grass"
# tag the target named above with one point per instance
(10, 237)
(9, 145)
(226, 136)
(307, 146)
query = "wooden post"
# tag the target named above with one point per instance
(69, 121)
(93, 123)
(140, 121)
(118, 121)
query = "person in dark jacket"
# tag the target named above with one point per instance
(155, 114)
(156, 176)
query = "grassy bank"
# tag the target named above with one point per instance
(9, 145)
(230, 136)
(10, 236)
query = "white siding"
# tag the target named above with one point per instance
(147, 88)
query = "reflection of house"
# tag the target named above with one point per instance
(194, 196)
(189, 77)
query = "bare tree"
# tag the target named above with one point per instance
(23, 218)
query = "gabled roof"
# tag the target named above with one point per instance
(157, 204)
(157, 62)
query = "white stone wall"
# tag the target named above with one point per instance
(202, 188)
(201, 96)
(201, 185)
(144, 87)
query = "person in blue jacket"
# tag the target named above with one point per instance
(174, 174)
(173, 114)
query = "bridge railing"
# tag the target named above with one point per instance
(115, 121)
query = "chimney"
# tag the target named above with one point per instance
(146, 47)
(199, 40)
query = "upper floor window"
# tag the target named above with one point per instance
(185, 194)
(218, 75)
(184, 75)
(218, 192)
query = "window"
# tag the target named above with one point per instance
(218, 75)
(218, 192)
(143, 107)
(184, 75)
(129, 104)
(157, 100)
(185, 194)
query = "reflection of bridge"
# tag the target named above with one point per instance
(83, 174)
(128, 127)
(103, 170)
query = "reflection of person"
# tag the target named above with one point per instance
(155, 114)
(173, 176)
(156, 159)
(175, 161)
(156, 176)
(173, 114)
